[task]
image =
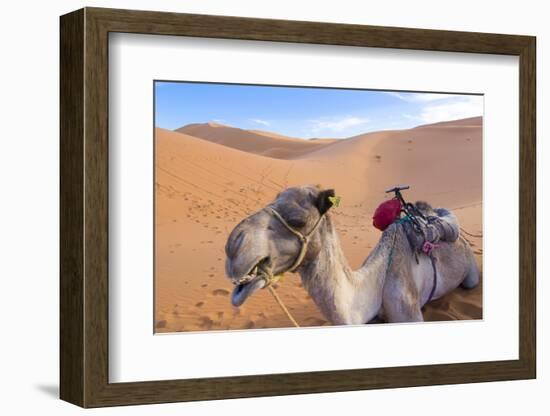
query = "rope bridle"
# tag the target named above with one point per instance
(304, 241)
(304, 238)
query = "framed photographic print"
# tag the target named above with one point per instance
(255, 207)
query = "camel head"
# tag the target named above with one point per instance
(262, 245)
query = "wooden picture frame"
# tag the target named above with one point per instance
(84, 207)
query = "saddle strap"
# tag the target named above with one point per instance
(434, 286)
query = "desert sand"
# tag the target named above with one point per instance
(209, 177)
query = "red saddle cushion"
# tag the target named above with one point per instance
(386, 213)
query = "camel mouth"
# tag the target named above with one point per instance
(246, 285)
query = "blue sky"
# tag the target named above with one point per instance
(305, 112)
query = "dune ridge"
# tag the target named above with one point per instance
(252, 141)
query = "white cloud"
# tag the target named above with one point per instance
(463, 107)
(421, 97)
(337, 124)
(260, 121)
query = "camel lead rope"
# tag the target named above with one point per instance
(470, 234)
(282, 305)
(304, 240)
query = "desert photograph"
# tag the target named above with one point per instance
(272, 210)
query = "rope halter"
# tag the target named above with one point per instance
(304, 238)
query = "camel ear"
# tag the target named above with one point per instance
(323, 202)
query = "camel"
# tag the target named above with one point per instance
(390, 285)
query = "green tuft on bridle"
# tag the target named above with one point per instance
(335, 201)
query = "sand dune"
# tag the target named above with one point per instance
(203, 189)
(252, 141)
(274, 135)
(443, 164)
(472, 122)
(323, 140)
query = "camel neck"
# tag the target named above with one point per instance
(343, 295)
(374, 269)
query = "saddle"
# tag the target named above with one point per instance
(425, 231)
(423, 225)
